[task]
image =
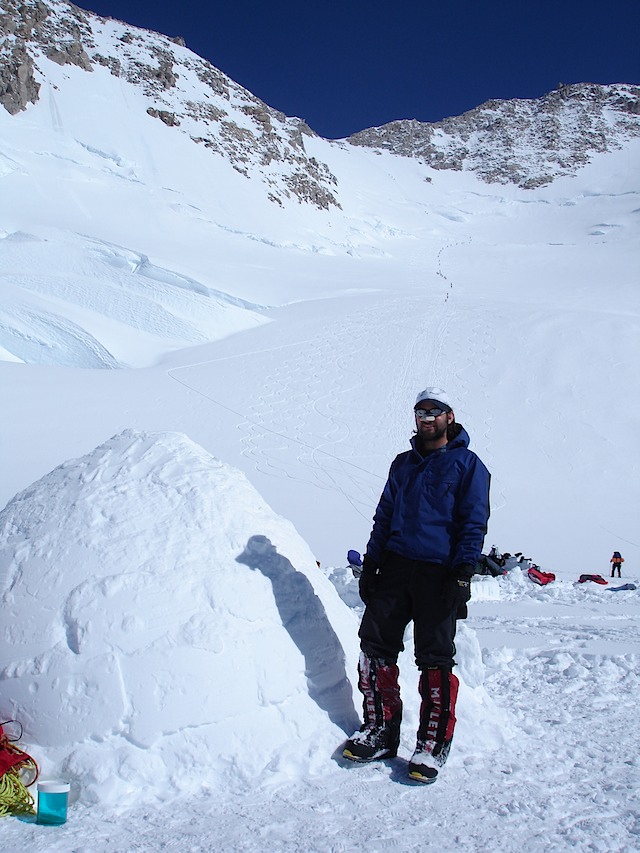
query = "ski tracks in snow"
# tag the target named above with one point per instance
(309, 416)
(466, 352)
(308, 411)
(319, 399)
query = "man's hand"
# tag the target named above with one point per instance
(368, 579)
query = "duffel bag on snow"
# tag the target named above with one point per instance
(539, 577)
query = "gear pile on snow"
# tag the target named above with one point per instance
(496, 563)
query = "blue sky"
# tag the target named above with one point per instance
(344, 66)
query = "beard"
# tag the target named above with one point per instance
(425, 439)
(435, 433)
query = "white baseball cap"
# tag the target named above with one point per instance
(436, 395)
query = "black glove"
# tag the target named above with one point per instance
(456, 590)
(368, 579)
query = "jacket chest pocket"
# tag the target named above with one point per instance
(439, 490)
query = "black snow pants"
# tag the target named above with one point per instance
(409, 590)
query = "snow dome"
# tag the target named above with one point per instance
(163, 627)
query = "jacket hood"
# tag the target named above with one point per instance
(457, 435)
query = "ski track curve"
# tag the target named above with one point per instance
(344, 352)
(300, 422)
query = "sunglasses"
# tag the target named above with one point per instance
(428, 414)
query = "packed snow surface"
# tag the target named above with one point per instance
(172, 648)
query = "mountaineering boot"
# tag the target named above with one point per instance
(428, 757)
(379, 735)
(439, 690)
(372, 743)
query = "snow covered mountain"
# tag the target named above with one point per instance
(127, 240)
(525, 142)
(176, 87)
(213, 324)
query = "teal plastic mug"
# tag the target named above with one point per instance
(53, 799)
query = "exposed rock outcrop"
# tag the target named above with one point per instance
(18, 86)
(168, 118)
(525, 142)
(184, 91)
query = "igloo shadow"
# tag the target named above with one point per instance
(304, 618)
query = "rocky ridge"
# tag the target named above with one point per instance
(525, 142)
(184, 91)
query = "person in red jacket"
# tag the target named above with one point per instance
(427, 537)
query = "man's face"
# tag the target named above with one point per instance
(433, 430)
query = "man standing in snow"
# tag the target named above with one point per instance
(427, 536)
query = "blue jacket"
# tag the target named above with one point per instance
(433, 508)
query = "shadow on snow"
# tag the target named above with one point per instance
(305, 619)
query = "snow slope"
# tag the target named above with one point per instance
(523, 305)
(126, 244)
